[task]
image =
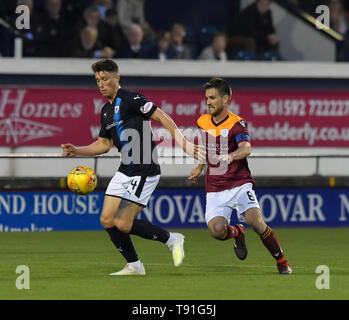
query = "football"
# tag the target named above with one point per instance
(82, 180)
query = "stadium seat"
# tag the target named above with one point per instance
(243, 55)
(270, 56)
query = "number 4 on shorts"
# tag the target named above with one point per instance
(132, 186)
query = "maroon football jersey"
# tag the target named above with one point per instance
(222, 138)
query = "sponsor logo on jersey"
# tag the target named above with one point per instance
(224, 133)
(146, 108)
(114, 124)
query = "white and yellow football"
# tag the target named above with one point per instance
(82, 180)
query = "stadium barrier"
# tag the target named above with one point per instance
(42, 208)
(96, 159)
(178, 68)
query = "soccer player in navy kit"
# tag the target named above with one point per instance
(125, 122)
(229, 184)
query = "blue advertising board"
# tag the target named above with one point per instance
(170, 208)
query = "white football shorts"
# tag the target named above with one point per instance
(223, 203)
(136, 189)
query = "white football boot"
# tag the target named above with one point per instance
(176, 246)
(131, 269)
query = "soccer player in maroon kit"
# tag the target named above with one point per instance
(229, 184)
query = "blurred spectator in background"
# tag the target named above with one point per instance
(55, 29)
(177, 48)
(88, 45)
(6, 43)
(107, 37)
(135, 47)
(103, 6)
(111, 18)
(217, 49)
(132, 12)
(161, 50)
(72, 9)
(254, 30)
(338, 17)
(339, 22)
(34, 37)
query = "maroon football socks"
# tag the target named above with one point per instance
(271, 242)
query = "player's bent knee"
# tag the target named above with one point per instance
(106, 221)
(217, 230)
(123, 225)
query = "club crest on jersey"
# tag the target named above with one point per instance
(243, 123)
(116, 109)
(146, 108)
(224, 133)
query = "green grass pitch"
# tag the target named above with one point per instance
(76, 265)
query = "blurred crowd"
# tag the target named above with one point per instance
(119, 29)
(339, 20)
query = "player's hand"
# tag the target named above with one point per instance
(194, 174)
(225, 158)
(197, 151)
(68, 150)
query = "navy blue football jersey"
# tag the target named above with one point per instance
(126, 122)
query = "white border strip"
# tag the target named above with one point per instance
(179, 68)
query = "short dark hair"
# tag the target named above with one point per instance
(105, 65)
(221, 85)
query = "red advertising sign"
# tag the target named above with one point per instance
(49, 117)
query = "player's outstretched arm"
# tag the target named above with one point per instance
(100, 146)
(198, 152)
